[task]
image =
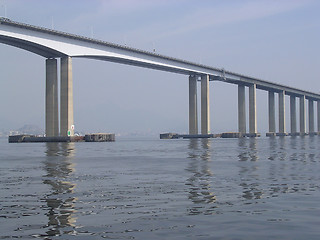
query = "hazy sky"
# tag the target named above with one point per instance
(276, 40)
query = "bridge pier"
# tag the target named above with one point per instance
(293, 116)
(302, 115)
(318, 118)
(205, 109)
(66, 98)
(252, 112)
(282, 123)
(52, 121)
(193, 107)
(242, 109)
(272, 114)
(311, 117)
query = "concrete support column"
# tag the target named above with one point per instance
(282, 123)
(311, 117)
(302, 115)
(272, 113)
(205, 111)
(293, 115)
(318, 113)
(242, 109)
(52, 115)
(66, 95)
(252, 110)
(193, 111)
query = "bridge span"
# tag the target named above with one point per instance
(54, 45)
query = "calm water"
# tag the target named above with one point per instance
(161, 189)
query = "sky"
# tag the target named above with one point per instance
(275, 40)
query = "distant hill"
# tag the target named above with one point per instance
(31, 129)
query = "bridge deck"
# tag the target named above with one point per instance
(132, 56)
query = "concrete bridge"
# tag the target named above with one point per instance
(55, 45)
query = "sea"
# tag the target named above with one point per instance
(147, 188)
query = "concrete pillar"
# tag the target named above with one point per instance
(282, 120)
(242, 109)
(66, 101)
(252, 109)
(318, 118)
(293, 115)
(193, 112)
(205, 112)
(52, 115)
(302, 115)
(311, 117)
(272, 112)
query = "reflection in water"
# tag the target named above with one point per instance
(60, 149)
(200, 191)
(303, 154)
(243, 151)
(282, 154)
(293, 146)
(272, 148)
(60, 201)
(249, 171)
(248, 153)
(253, 149)
(312, 146)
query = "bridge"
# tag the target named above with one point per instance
(54, 45)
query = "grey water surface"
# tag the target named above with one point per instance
(264, 188)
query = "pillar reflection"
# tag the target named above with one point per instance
(243, 151)
(60, 200)
(253, 149)
(248, 155)
(273, 145)
(200, 180)
(293, 146)
(248, 149)
(283, 151)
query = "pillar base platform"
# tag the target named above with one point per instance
(313, 133)
(270, 134)
(303, 134)
(97, 137)
(253, 135)
(282, 134)
(232, 135)
(218, 135)
(176, 135)
(294, 134)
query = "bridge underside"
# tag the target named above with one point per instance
(31, 47)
